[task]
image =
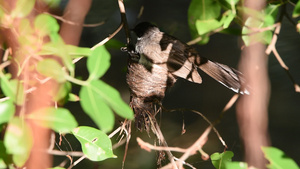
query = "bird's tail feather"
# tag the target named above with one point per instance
(229, 77)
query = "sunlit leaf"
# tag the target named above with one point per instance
(13, 89)
(73, 98)
(25, 27)
(205, 26)
(93, 104)
(7, 110)
(98, 62)
(22, 8)
(51, 68)
(236, 165)
(18, 140)
(202, 10)
(112, 97)
(95, 144)
(62, 92)
(220, 159)
(76, 51)
(58, 119)
(278, 159)
(45, 24)
(228, 18)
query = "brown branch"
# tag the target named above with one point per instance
(198, 144)
(108, 38)
(272, 48)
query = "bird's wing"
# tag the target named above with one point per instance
(177, 62)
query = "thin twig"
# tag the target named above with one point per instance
(74, 23)
(108, 38)
(77, 161)
(148, 147)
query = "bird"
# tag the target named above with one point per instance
(158, 60)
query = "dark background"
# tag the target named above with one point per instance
(209, 98)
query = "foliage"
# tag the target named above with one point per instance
(98, 99)
(276, 157)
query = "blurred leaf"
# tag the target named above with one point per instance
(95, 143)
(45, 25)
(4, 157)
(25, 27)
(236, 165)
(13, 89)
(252, 35)
(98, 62)
(58, 119)
(62, 92)
(94, 105)
(51, 68)
(278, 159)
(73, 98)
(58, 47)
(296, 11)
(7, 110)
(114, 44)
(205, 26)
(18, 140)
(57, 168)
(22, 8)
(220, 159)
(78, 51)
(112, 97)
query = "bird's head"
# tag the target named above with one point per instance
(143, 28)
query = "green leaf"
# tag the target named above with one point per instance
(227, 18)
(7, 110)
(251, 35)
(236, 165)
(58, 47)
(73, 98)
(98, 62)
(202, 10)
(220, 159)
(57, 168)
(278, 159)
(205, 26)
(94, 106)
(13, 89)
(114, 44)
(78, 51)
(25, 28)
(22, 8)
(296, 11)
(45, 25)
(18, 140)
(95, 144)
(51, 68)
(112, 97)
(58, 119)
(62, 92)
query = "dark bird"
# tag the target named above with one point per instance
(158, 61)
